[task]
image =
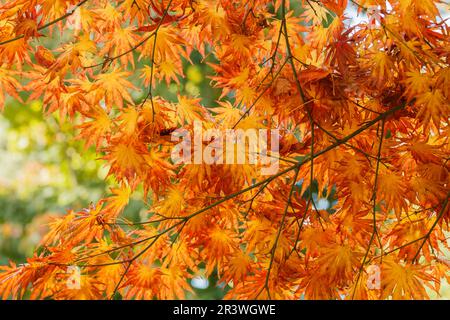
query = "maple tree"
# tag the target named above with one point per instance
(370, 101)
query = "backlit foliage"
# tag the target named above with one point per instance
(363, 111)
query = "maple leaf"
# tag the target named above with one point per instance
(416, 82)
(189, 109)
(168, 46)
(96, 130)
(238, 267)
(339, 262)
(15, 279)
(175, 284)
(111, 273)
(391, 189)
(9, 85)
(127, 160)
(131, 9)
(173, 203)
(382, 67)
(118, 201)
(27, 27)
(443, 78)
(76, 227)
(57, 227)
(54, 9)
(361, 110)
(144, 281)
(315, 12)
(219, 246)
(424, 152)
(90, 289)
(73, 55)
(129, 121)
(227, 114)
(44, 57)
(319, 36)
(159, 171)
(337, 6)
(119, 43)
(167, 69)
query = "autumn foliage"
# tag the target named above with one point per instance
(363, 112)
